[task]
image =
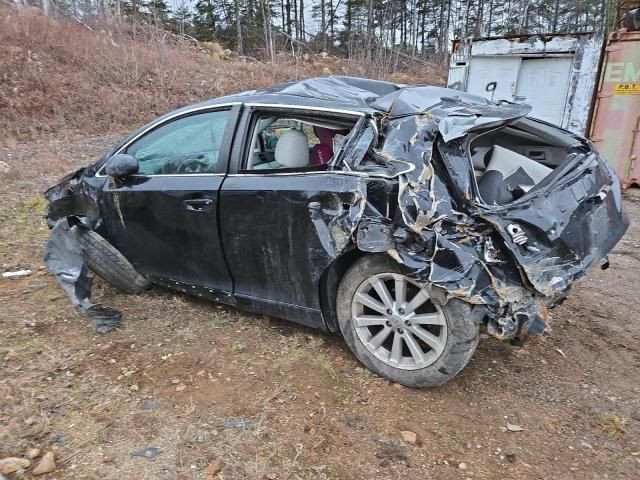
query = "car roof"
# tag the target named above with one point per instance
(354, 95)
(358, 95)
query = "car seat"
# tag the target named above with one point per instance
(509, 175)
(292, 149)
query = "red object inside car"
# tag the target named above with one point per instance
(323, 151)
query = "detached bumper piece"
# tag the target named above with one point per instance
(64, 257)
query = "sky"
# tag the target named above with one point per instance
(309, 21)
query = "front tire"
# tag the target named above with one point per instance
(109, 264)
(393, 328)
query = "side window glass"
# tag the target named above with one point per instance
(187, 145)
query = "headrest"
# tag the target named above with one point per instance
(292, 149)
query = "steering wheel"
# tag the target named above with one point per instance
(192, 165)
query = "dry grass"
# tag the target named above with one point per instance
(612, 424)
(58, 75)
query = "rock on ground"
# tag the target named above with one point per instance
(47, 464)
(409, 436)
(13, 464)
(33, 453)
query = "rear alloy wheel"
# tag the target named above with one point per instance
(403, 328)
(391, 324)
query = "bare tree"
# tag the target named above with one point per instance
(239, 48)
(268, 31)
(46, 8)
(369, 30)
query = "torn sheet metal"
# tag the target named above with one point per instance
(335, 217)
(73, 196)
(449, 245)
(64, 257)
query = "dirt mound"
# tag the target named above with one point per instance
(58, 75)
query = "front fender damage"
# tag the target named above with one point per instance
(73, 206)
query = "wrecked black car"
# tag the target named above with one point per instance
(403, 217)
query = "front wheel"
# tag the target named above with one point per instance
(105, 260)
(392, 326)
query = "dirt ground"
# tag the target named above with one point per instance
(220, 392)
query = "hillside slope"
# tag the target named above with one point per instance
(60, 76)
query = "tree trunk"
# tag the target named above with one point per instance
(466, 19)
(266, 23)
(556, 13)
(445, 31)
(296, 30)
(323, 25)
(524, 25)
(332, 21)
(348, 24)
(302, 25)
(238, 28)
(287, 7)
(423, 27)
(369, 31)
(479, 21)
(282, 16)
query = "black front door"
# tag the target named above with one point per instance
(165, 218)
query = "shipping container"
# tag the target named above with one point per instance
(615, 128)
(555, 74)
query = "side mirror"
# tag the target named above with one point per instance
(121, 165)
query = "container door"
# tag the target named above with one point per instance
(543, 84)
(615, 129)
(494, 77)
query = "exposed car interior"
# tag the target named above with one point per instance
(510, 161)
(296, 142)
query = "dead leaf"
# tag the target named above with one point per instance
(180, 387)
(560, 352)
(514, 428)
(213, 468)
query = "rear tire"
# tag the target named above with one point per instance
(445, 334)
(109, 264)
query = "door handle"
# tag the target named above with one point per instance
(198, 204)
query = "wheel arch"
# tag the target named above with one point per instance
(330, 283)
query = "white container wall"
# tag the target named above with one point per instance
(555, 74)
